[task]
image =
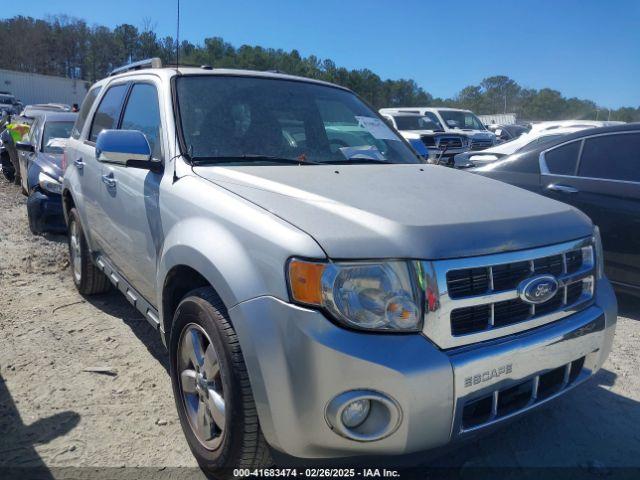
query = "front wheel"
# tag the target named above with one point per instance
(211, 388)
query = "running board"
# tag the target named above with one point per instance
(130, 293)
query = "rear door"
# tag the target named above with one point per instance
(106, 116)
(605, 184)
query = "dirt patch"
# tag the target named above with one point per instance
(84, 381)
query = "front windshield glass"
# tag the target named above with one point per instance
(414, 122)
(235, 119)
(460, 119)
(55, 136)
(7, 100)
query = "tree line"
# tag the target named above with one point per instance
(66, 46)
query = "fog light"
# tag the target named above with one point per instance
(355, 413)
(363, 415)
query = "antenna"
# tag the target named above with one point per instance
(178, 38)
(175, 126)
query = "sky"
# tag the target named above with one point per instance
(584, 48)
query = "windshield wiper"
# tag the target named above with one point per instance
(357, 161)
(250, 158)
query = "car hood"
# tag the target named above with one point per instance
(51, 164)
(475, 134)
(403, 211)
(419, 133)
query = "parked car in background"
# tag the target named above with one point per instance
(9, 105)
(455, 121)
(555, 124)
(597, 171)
(16, 131)
(506, 133)
(426, 131)
(528, 140)
(37, 108)
(40, 159)
(319, 300)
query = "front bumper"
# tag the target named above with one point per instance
(45, 212)
(298, 361)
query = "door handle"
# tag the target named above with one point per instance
(109, 181)
(78, 163)
(562, 188)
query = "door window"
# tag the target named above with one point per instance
(84, 112)
(143, 113)
(614, 157)
(562, 160)
(34, 132)
(106, 116)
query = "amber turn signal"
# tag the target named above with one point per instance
(305, 281)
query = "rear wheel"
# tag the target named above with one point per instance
(87, 277)
(7, 167)
(211, 388)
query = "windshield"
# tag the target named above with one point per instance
(461, 119)
(7, 100)
(232, 119)
(55, 136)
(414, 122)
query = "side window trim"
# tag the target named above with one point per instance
(125, 103)
(544, 169)
(98, 102)
(81, 133)
(608, 134)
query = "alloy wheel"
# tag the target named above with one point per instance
(75, 251)
(201, 386)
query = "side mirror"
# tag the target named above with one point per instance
(126, 147)
(24, 147)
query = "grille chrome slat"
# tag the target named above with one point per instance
(481, 300)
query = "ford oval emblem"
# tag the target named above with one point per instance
(538, 289)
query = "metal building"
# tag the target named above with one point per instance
(35, 88)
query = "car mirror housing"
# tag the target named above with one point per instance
(125, 147)
(25, 147)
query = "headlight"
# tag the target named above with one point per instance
(49, 184)
(597, 246)
(365, 295)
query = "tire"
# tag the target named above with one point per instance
(32, 223)
(88, 279)
(239, 443)
(8, 171)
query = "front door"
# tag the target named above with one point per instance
(130, 196)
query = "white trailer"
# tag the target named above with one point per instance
(32, 88)
(499, 118)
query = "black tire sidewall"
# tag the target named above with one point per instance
(198, 310)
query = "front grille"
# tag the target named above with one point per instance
(481, 144)
(482, 298)
(428, 141)
(504, 402)
(475, 281)
(450, 142)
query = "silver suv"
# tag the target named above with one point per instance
(321, 291)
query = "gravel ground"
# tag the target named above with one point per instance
(54, 413)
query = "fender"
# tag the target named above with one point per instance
(236, 270)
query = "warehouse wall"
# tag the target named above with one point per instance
(35, 88)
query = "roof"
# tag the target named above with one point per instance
(170, 72)
(587, 132)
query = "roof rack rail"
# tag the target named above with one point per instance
(154, 62)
